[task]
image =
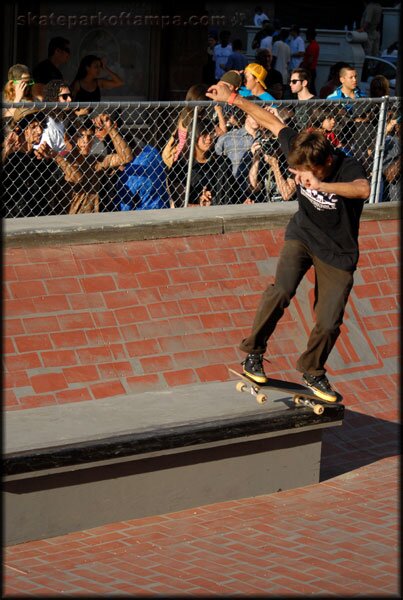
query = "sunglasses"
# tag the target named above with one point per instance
(64, 96)
(294, 81)
(28, 82)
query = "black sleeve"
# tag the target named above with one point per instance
(285, 138)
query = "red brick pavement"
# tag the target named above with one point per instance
(338, 537)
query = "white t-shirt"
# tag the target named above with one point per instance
(53, 135)
(282, 52)
(258, 19)
(296, 45)
(220, 57)
(266, 42)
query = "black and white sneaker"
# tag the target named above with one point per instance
(253, 368)
(321, 387)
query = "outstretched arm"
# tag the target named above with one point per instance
(221, 93)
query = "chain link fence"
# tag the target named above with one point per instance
(68, 158)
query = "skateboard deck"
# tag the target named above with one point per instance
(301, 395)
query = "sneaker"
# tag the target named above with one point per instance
(253, 368)
(321, 387)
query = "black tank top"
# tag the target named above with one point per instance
(85, 96)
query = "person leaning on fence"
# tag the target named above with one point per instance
(26, 174)
(211, 180)
(82, 169)
(236, 145)
(268, 177)
(54, 133)
(18, 88)
(391, 168)
(331, 190)
(177, 140)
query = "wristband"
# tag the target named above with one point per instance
(232, 97)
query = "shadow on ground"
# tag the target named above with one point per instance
(360, 441)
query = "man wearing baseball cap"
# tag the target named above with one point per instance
(254, 84)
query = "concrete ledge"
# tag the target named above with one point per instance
(156, 224)
(77, 466)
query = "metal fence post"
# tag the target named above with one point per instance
(191, 152)
(378, 155)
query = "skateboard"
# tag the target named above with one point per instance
(301, 395)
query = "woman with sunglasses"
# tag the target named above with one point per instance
(18, 87)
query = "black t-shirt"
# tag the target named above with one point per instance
(326, 223)
(45, 71)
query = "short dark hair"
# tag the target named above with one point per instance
(304, 74)
(309, 148)
(57, 43)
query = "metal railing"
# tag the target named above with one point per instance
(116, 156)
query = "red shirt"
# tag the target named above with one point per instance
(311, 55)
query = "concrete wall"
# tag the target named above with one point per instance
(94, 310)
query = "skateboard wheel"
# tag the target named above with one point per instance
(261, 398)
(298, 400)
(318, 410)
(241, 387)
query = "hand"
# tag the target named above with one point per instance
(219, 92)
(307, 179)
(103, 125)
(255, 148)
(44, 151)
(205, 197)
(19, 90)
(249, 201)
(12, 143)
(271, 160)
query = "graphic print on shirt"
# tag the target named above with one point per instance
(320, 200)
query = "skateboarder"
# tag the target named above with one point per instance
(331, 190)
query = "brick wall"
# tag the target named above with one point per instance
(83, 322)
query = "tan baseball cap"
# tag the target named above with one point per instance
(233, 78)
(257, 71)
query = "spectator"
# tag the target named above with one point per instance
(177, 140)
(348, 87)
(232, 116)
(300, 80)
(324, 120)
(26, 175)
(299, 85)
(370, 23)
(236, 144)
(267, 41)
(268, 176)
(54, 133)
(82, 169)
(221, 53)
(48, 69)
(274, 79)
(311, 56)
(236, 60)
(18, 87)
(379, 87)
(297, 48)
(333, 79)
(88, 83)
(142, 185)
(265, 32)
(282, 54)
(254, 83)
(391, 170)
(259, 17)
(209, 67)
(211, 180)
